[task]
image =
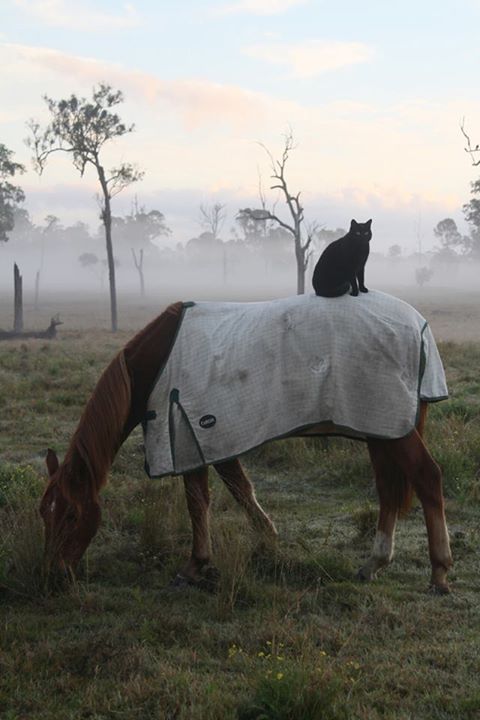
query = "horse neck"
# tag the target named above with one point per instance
(145, 354)
(118, 403)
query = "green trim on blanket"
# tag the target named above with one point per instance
(175, 400)
(422, 363)
(339, 431)
(421, 372)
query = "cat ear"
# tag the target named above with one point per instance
(353, 223)
(369, 222)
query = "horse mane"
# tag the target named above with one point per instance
(98, 436)
(115, 407)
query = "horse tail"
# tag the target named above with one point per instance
(403, 488)
(401, 491)
(394, 487)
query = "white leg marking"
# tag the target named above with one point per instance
(382, 554)
(383, 546)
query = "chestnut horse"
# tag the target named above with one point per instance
(70, 505)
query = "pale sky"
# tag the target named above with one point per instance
(374, 91)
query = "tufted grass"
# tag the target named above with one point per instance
(289, 632)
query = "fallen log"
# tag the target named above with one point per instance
(47, 334)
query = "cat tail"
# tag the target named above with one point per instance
(336, 291)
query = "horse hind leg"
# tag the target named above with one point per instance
(237, 482)
(395, 496)
(392, 495)
(418, 465)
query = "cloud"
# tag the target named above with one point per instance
(76, 15)
(199, 134)
(259, 7)
(311, 58)
(197, 102)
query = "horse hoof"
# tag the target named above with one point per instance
(439, 589)
(365, 576)
(207, 581)
(60, 580)
(179, 582)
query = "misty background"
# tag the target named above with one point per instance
(231, 260)
(209, 86)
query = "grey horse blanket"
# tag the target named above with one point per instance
(240, 374)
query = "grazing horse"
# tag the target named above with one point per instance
(70, 505)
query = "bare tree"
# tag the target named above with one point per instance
(81, 128)
(471, 210)
(212, 218)
(474, 152)
(302, 235)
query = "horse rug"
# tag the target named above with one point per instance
(240, 374)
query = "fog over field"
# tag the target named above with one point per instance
(450, 301)
(73, 279)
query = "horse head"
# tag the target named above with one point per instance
(70, 513)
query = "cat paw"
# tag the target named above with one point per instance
(353, 293)
(364, 289)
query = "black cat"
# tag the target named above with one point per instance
(343, 262)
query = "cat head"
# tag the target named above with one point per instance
(361, 230)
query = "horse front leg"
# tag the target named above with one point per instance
(198, 571)
(234, 477)
(419, 467)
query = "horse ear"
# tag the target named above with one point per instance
(52, 462)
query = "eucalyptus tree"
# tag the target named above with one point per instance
(10, 194)
(81, 128)
(212, 218)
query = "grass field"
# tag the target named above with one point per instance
(289, 634)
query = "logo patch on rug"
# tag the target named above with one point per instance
(207, 421)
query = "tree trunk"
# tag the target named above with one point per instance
(107, 221)
(300, 257)
(300, 280)
(37, 288)
(139, 265)
(18, 300)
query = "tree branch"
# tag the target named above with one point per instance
(469, 149)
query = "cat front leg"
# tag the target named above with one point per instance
(361, 280)
(353, 283)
